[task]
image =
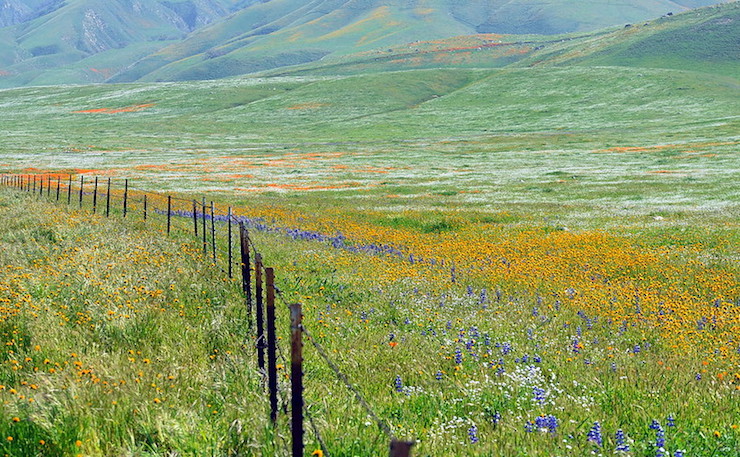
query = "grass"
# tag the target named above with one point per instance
(150, 354)
(478, 250)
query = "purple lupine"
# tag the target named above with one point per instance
(671, 421)
(621, 440)
(398, 384)
(594, 435)
(539, 395)
(473, 434)
(439, 375)
(549, 422)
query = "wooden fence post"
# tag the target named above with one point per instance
(401, 448)
(231, 273)
(48, 186)
(41, 186)
(107, 200)
(82, 184)
(59, 186)
(34, 184)
(271, 344)
(195, 219)
(145, 210)
(69, 190)
(95, 196)
(259, 312)
(169, 213)
(125, 197)
(296, 378)
(213, 232)
(246, 271)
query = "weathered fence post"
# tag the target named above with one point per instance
(145, 209)
(59, 186)
(231, 275)
(69, 190)
(82, 184)
(107, 200)
(246, 271)
(95, 196)
(169, 213)
(48, 186)
(271, 343)
(296, 378)
(34, 184)
(195, 219)
(41, 186)
(259, 312)
(401, 448)
(213, 232)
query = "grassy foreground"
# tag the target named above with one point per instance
(122, 342)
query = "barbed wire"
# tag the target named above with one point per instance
(342, 377)
(213, 218)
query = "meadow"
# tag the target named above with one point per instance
(513, 262)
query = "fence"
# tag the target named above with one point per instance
(257, 280)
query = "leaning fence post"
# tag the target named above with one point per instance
(95, 196)
(296, 378)
(125, 197)
(169, 213)
(213, 233)
(259, 312)
(82, 184)
(246, 271)
(107, 200)
(231, 275)
(401, 448)
(271, 343)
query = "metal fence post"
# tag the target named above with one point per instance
(125, 197)
(231, 273)
(169, 213)
(271, 344)
(259, 312)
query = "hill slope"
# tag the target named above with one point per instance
(82, 41)
(706, 40)
(51, 41)
(279, 33)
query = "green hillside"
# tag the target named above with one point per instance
(282, 33)
(706, 40)
(83, 41)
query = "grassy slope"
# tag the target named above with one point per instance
(703, 40)
(282, 33)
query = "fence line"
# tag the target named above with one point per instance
(258, 286)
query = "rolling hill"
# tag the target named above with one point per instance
(706, 40)
(84, 41)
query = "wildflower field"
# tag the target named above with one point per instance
(500, 265)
